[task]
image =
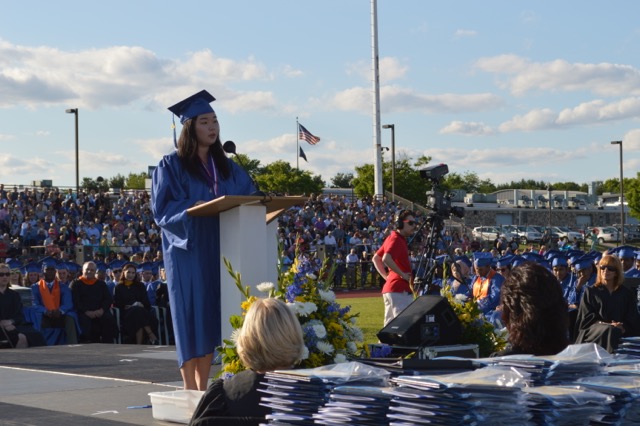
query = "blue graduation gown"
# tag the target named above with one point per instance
(53, 336)
(191, 252)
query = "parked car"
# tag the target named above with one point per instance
(488, 233)
(631, 232)
(565, 231)
(528, 234)
(606, 234)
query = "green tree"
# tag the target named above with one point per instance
(632, 194)
(251, 166)
(117, 181)
(95, 184)
(610, 185)
(281, 178)
(136, 181)
(342, 180)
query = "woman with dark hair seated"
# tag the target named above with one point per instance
(270, 339)
(534, 312)
(608, 310)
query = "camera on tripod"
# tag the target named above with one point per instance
(439, 200)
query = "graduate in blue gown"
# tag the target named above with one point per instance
(197, 172)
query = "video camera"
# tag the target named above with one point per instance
(439, 200)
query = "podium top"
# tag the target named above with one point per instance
(275, 205)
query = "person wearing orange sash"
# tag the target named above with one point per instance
(92, 300)
(53, 301)
(486, 284)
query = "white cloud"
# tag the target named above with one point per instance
(467, 128)
(537, 119)
(122, 75)
(391, 68)
(6, 137)
(394, 99)
(524, 75)
(631, 141)
(460, 33)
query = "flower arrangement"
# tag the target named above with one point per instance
(475, 327)
(330, 333)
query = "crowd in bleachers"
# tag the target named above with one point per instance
(115, 230)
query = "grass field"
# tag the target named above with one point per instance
(371, 311)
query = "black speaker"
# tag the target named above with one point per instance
(427, 321)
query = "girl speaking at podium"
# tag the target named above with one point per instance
(198, 171)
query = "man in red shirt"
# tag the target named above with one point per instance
(394, 265)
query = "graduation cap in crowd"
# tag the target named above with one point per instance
(48, 262)
(62, 266)
(533, 257)
(193, 106)
(145, 267)
(116, 264)
(465, 260)
(31, 267)
(482, 258)
(551, 254)
(623, 252)
(504, 261)
(14, 264)
(638, 255)
(101, 266)
(584, 262)
(517, 260)
(73, 267)
(560, 260)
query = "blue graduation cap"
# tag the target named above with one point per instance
(101, 266)
(482, 258)
(441, 259)
(465, 260)
(193, 106)
(638, 255)
(583, 262)
(623, 252)
(62, 266)
(30, 267)
(517, 260)
(504, 261)
(533, 257)
(559, 260)
(157, 265)
(551, 254)
(14, 264)
(48, 262)
(116, 264)
(73, 267)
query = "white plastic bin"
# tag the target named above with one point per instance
(176, 406)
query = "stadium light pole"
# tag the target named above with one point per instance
(74, 111)
(621, 194)
(393, 158)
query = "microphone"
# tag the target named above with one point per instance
(230, 148)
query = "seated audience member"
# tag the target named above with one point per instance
(53, 302)
(486, 283)
(92, 301)
(14, 332)
(534, 312)
(459, 281)
(135, 310)
(270, 339)
(608, 310)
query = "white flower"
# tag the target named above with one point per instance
(339, 358)
(325, 347)
(234, 335)
(319, 331)
(327, 296)
(352, 347)
(265, 287)
(460, 298)
(305, 353)
(312, 277)
(306, 308)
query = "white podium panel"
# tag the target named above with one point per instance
(243, 241)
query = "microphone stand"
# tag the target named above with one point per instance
(230, 148)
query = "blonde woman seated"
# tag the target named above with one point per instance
(270, 339)
(608, 310)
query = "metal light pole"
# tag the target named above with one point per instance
(74, 111)
(621, 194)
(393, 158)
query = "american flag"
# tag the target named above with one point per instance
(305, 135)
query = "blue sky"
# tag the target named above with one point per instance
(506, 89)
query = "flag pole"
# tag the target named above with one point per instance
(297, 145)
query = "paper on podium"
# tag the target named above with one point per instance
(275, 205)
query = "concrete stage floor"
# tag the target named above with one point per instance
(90, 384)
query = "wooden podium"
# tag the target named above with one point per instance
(248, 239)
